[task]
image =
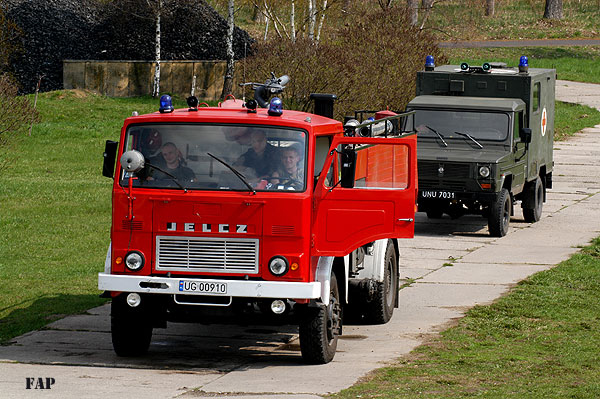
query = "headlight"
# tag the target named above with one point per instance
(278, 265)
(484, 171)
(134, 261)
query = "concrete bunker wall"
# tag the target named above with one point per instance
(135, 78)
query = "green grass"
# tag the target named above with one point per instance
(571, 118)
(539, 341)
(55, 209)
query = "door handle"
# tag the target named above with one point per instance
(405, 220)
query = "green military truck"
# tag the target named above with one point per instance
(485, 137)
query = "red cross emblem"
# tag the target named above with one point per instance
(544, 120)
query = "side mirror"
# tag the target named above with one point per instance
(348, 167)
(110, 155)
(525, 135)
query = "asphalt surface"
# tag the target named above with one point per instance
(257, 361)
(521, 43)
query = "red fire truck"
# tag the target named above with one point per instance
(234, 214)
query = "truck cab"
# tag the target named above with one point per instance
(233, 214)
(485, 137)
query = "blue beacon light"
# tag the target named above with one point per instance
(275, 107)
(166, 104)
(523, 64)
(429, 63)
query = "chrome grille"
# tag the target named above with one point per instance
(207, 254)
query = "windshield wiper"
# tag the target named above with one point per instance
(235, 172)
(438, 134)
(470, 138)
(168, 174)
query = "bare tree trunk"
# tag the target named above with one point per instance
(554, 9)
(156, 85)
(292, 21)
(259, 15)
(413, 9)
(489, 8)
(312, 19)
(228, 82)
(321, 22)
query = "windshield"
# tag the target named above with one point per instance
(218, 157)
(479, 125)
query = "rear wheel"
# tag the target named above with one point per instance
(499, 217)
(320, 328)
(434, 213)
(131, 328)
(381, 308)
(533, 201)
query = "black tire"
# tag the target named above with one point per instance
(131, 328)
(434, 213)
(533, 201)
(320, 328)
(499, 218)
(381, 308)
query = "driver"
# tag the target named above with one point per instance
(261, 156)
(173, 165)
(291, 171)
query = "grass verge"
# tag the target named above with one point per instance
(55, 209)
(541, 340)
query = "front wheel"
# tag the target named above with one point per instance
(499, 217)
(320, 328)
(131, 328)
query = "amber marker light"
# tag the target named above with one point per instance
(486, 185)
(294, 266)
(119, 260)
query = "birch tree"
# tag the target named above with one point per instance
(157, 9)
(228, 81)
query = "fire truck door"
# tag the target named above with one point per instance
(377, 200)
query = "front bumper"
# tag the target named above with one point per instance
(235, 288)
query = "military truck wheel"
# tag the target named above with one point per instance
(381, 308)
(131, 328)
(500, 214)
(320, 328)
(434, 213)
(533, 201)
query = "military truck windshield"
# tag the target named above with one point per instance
(480, 125)
(177, 156)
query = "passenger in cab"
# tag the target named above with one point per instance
(291, 170)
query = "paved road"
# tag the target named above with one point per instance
(258, 362)
(522, 43)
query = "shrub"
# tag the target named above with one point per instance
(371, 63)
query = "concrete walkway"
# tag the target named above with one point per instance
(452, 264)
